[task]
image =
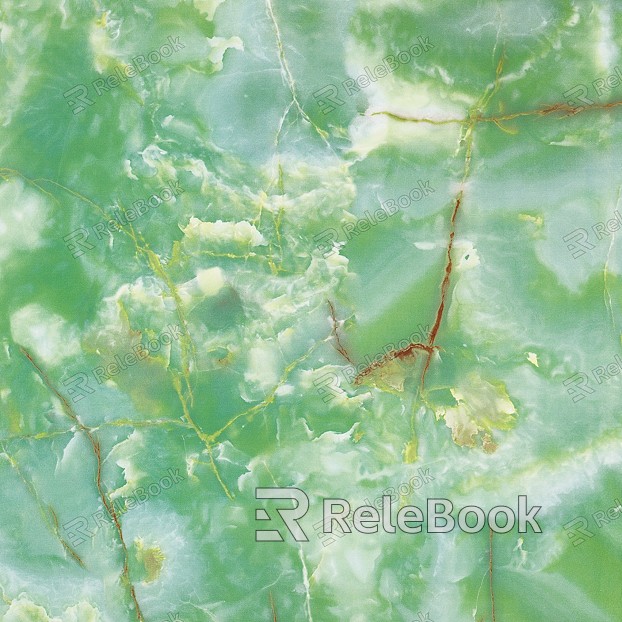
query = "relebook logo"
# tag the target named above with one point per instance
(409, 519)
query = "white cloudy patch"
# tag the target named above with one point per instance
(210, 281)
(263, 365)
(207, 7)
(24, 609)
(239, 232)
(467, 255)
(127, 169)
(406, 101)
(426, 246)
(45, 335)
(606, 46)
(219, 46)
(23, 215)
(207, 283)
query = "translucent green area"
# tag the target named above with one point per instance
(98, 409)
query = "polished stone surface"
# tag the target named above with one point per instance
(343, 246)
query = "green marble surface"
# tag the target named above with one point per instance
(178, 328)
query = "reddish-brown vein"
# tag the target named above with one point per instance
(31, 488)
(448, 268)
(96, 450)
(394, 354)
(62, 540)
(429, 347)
(273, 608)
(546, 110)
(444, 286)
(339, 347)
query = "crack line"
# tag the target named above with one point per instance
(68, 410)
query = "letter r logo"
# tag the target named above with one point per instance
(327, 96)
(326, 242)
(577, 242)
(76, 242)
(80, 524)
(577, 386)
(578, 93)
(577, 528)
(80, 91)
(78, 386)
(289, 516)
(328, 386)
